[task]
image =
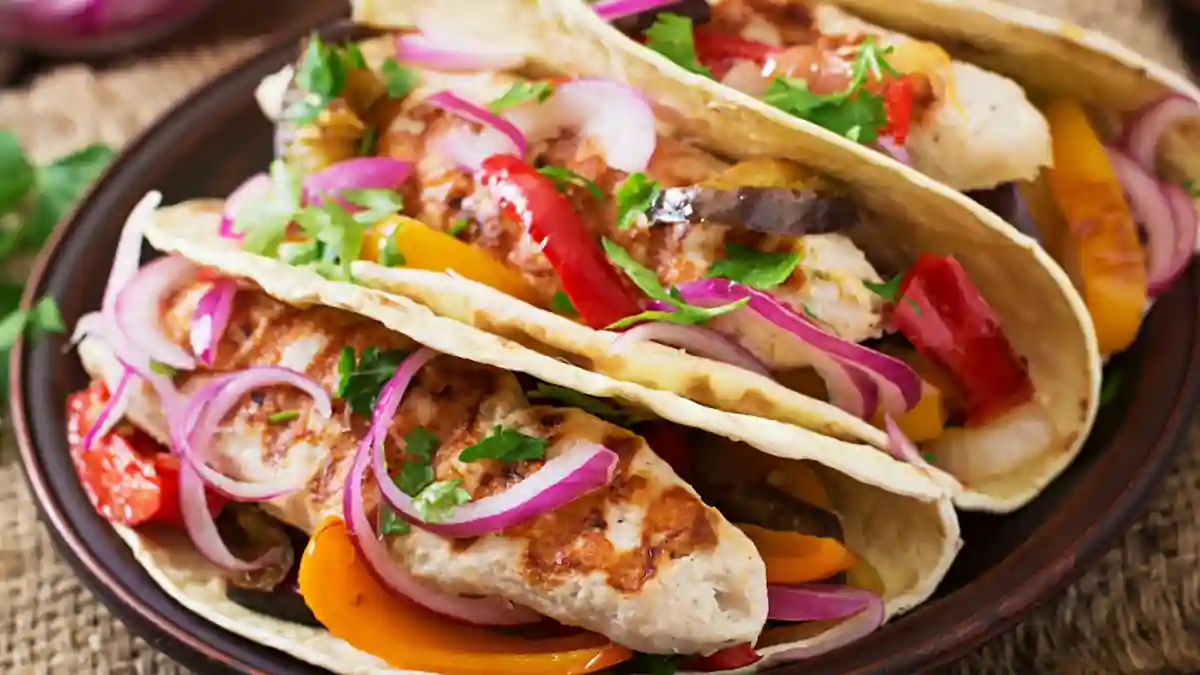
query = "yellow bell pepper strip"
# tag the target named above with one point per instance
(799, 481)
(1102, 251)
(348, 601)
(794, 558)
(925, 421)
(425, 248)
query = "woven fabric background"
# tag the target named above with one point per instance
(1136, 613)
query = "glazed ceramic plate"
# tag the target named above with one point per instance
(210, 143)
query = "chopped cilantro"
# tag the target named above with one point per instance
(562, 177)
(359, 383)
(43, 318)
(398, 80)
(390, 255)
(437, 500)
(854, 112)
(522, 92)
(890, 291)
(416, 472)
(506, 445)
(755, 268)
(284, 416)
(299, 253)
(265, 221)
(1110, 386)
(353, 57)
(390, 523)
(635, 195)
(648, 282)
(368, 145)
(561, 304)
(459, 226)
(340, 235)
(598, 407)
(322, 76)
(671, 35)
(376, 204)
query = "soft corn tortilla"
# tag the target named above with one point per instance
(1043, 314)
(893, 515)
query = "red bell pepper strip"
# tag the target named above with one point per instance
(953, 326)
(737, 656)
(126, 474)
(588, 278)
(898, 104)
(669, 441)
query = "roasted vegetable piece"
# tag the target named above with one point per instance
(794, 558)
(1101, 248)
(354, 607)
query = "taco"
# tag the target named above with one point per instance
(463, 504)
(1111, 139)
(788, 280)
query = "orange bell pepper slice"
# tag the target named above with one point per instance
(794, 558)
(1101, 250)
(925, 421)
(348, 601)
(425, 248)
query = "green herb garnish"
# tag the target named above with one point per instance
(390, 523)
(506, 445)
(399, 80)
(854, 112)
(646, 280)
(672, 36)
(437, 501)
(377, 204)
(635, 195)
(284, 416)
(359, 383)
(589, 404)
(562, 177)
(754, 268)
(390, 255)
(43, 318)
(321, 75)
(416, 472)
(890, 292)
(264, 221)
(459, 226)
(520, 93)
(561, 304)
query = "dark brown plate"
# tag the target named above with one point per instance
(210, 143)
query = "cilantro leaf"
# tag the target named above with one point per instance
(264, 221)
(561, 304)
(890, 292)
(589, 404)
(671, 35)
(377, 204)
(635, 195)
(459, 226)
(284, 416)
(359, 383)
(522, 92)
(59, 185)
(562, 177)
(390, 255)
(353, 57)
(414, 476)
(754, 268)
(421, 442)
(437, 501)
(12, 327)
(854, 112)
(1110, 386)
(399, 80)
(390, 523)
(506, 445)
(322, 75)
(16, 173)
(338, 231)
(646, 280)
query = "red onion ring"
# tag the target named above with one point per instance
(899, 385)
(210, 320)
(113, 411)
(851, 630)
(256, 186)
(137, 307)
(202, 527)
(1151, 211)
(128, 256)
(194, 428)
(697, 340)
(424, 50)
(360, 173)
(901, 447)
(850, 387)
(611, 10)
(1144, 128)
(1183, 211)
(817, 602)
(450, 102)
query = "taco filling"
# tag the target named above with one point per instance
(570, 195)
(440, 514)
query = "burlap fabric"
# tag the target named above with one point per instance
(1137, 612)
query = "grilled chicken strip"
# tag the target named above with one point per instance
(642, 561)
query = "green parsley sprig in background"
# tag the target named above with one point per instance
(33, 198)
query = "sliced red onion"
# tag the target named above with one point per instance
(202, 528)
(851, 630)
(210, 319)
(896, 150)
(746, 76)
(195, 426)
(850, 387)
(128, 256)
(611, 10)
(1145, 127)
(139, 304)
(1151, 211)
(425, 50)
(467, 149)
(451, 102)
(898, 384)
(615, 116)
(1183, 211)
(696, 340)
(113, 411)
(360, 173)
(817, 602)
(901, 447)
(255, 187)
(388, 572)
